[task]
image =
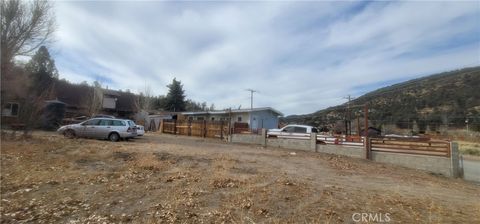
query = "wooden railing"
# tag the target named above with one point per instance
(341, 140)
(418, 146)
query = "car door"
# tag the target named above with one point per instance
(90, 127)
(286, 132)
(104, 128)
(300, 132)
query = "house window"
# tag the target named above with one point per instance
(109, 102)
(239, 119)
(200, 119)
(10, 109)
(213, 118)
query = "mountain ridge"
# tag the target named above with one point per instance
(445, 99)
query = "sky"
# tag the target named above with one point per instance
(300, 56)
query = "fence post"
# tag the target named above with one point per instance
(161, 126)
(204, 128)
(189, 124)
(454, 160)
(174, 127)
(264, 137)
(313, 141)
(229, 129)
(368, 147)
(221, 129)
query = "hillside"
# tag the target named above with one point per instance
(429, 103)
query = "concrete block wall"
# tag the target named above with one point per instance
(356, 152)
(435, 164)
(247, 139)
(289, 143)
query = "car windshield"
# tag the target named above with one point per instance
(131, 123)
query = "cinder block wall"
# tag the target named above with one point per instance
(356, 152)
(247, 139)
(289, 143)
(435, 164)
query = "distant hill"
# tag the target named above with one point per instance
(426, 104)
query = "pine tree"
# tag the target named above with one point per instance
(42, 70)
(42, 75)
(175, 97)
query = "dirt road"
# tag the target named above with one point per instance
(164, 178)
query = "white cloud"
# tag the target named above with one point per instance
(301, 56)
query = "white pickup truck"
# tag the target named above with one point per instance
(292, 131)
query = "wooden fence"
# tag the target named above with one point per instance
(210, 129)
(418, 146)
(349, 140)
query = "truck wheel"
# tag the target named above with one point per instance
(114, 137)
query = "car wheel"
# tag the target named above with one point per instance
(69, 133)
(114, 137)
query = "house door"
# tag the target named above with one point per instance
(254, 124)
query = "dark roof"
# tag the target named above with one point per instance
(126, 101)
(73, 95)
(54, 102)
(111, 92)
(76, 95)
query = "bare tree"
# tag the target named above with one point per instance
(145, 99)
(33, 107)
(93, 101)
(25, 26)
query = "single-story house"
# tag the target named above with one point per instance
(256, 118)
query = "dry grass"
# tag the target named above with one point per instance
(469, 148)
(187, 181)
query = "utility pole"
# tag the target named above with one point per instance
(251, 96)
(348, 122)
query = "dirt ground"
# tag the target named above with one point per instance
(165, 178)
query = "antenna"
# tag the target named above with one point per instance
(251, 96)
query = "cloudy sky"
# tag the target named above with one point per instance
(301, 57)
